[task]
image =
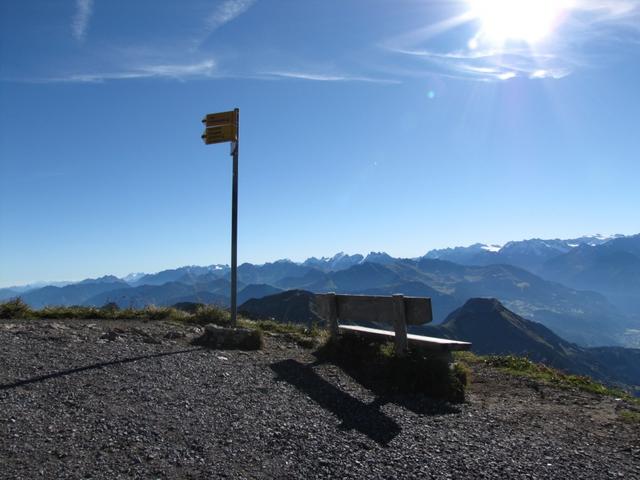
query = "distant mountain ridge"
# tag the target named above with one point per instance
(555, 295)
(339, 261)
(528, 254)
(74, 294)
(173, 275)
(612, 268)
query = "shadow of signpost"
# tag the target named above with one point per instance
(354, 414)
(94, 366)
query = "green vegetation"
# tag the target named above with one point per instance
(198, 314)
(523, 367)
(303, 336)
(467, 358)
(463, 373)
(526, 368)
(15, 309)
(203, 314)
(630, 416)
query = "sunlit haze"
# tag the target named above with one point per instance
(528, 20)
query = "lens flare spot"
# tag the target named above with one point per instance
(527, 20)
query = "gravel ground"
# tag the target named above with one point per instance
(81, 399)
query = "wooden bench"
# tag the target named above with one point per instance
(397, 310)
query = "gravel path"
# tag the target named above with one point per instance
(109, 400)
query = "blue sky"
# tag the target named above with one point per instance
(395, 125)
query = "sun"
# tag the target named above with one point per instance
(521, 20)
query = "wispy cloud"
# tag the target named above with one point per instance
(542, 73)
(193, 71)
(204, 69)
(585, 23)
(607, 10)
(494, 64)
(227, 11)
(224, 12)
(473, 54)
(81, 17)
(321, 77)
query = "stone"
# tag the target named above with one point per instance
(110, 335)
(225, 338)
(174, 335)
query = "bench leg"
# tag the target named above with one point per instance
(400, 326)
(333, 316)
(446, 357)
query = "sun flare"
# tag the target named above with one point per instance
(524, 20)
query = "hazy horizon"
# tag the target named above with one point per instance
(270, 260)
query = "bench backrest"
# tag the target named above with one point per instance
(374, 308)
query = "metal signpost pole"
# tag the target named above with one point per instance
(223, 127)
(234, 224)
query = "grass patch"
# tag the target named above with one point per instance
(629, 416)
(205, 314)
(467, 358)
(14, 309)
(375, 365)
(301, 335)
(523, 367)
(198, 314)
(463, 373)
(17, 309)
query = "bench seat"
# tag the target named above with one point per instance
(440, 344)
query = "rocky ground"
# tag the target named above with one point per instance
(82, 399)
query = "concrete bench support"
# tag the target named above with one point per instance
(400, 325)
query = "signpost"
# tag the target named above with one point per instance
(221, 118)
(223, 133)
(224, 127)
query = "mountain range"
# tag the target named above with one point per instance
(587, 290)
(528, 254)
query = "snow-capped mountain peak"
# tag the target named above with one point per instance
(339, 261)
(132, 277)
(382, 258)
